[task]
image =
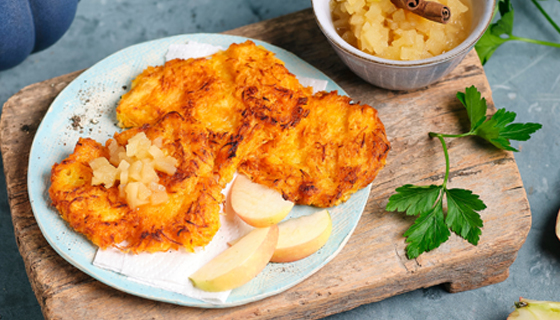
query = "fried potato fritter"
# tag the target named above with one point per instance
(336, 150)
(190, 217)
(94, 211)
(314, 149)
(244, 96)
(238, 110)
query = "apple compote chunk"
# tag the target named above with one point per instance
(136, 169)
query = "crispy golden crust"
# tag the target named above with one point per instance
(93, 211)
(244, 96)
(336, 150)
(190, 217)
(319, 148)
(240, 110)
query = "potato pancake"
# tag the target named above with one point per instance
(336, 150)
(189, 218)
(244, 96)
(314, 149)
(239, 109)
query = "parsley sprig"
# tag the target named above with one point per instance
(434, 224)
(501, 31)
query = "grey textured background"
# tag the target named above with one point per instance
(524, 78)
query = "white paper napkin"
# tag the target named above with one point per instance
(191, 50)
(171, 270)
(316, 84)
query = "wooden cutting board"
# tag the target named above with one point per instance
(373, 265)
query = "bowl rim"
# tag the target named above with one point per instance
(335, 39)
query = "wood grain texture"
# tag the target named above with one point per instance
(373, 265)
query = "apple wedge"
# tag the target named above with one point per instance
(238, 264)
(558, 226)
(300, 237)
(527, 309)
(257, 205)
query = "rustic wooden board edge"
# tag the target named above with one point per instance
(21, 134)
(311, 300)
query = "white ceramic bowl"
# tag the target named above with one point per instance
(403, 75)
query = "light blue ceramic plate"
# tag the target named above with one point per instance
(86, 108)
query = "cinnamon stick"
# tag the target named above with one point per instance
(428, 9)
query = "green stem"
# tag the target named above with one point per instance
(446, 153)
(546, 15)
(544, 43)
(434, 134)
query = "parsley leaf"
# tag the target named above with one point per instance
(414, 199)
(504, 26)
(502, 31)
(520, 131)
(476, 107)
(497, 34)
(427, 233)
(487, 45)
(498, 130)
(462, 216)
(432, 227)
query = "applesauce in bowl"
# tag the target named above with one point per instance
(380, 28)
(403, 74)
